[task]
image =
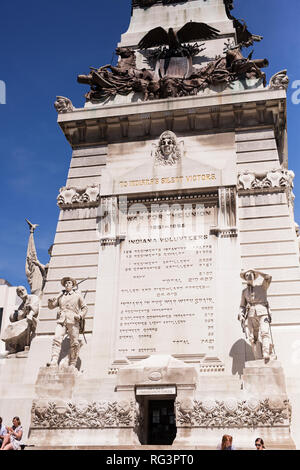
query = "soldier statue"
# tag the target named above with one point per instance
(20, 332)
(70, 318)
(255, 314)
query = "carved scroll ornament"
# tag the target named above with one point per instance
(277, 178)
(70, 197)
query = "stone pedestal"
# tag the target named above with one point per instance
(157, 370)
(60, 413)
(264, 380)
(56, 382)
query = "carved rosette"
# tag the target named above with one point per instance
(71, 198)
(277, 178)
(79, 415)
(231, 412)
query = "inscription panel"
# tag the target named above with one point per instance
(166, 300)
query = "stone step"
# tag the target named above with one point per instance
(122, 448)
(149, 448)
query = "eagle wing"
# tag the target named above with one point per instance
(243, 34)
(156, 37)
(193, 31)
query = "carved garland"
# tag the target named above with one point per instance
(104, 414)
(232, 413)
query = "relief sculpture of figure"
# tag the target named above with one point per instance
(255, 314)
(70, 320)
(20, 332)
(168, 151)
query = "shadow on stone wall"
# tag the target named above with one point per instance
(64, 353)
(241, 352)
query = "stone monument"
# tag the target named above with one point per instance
(178, 181)
(20, 332)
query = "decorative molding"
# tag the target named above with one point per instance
(194, 116)
(211, 368)
(63, 105)
(227, 213)
(224, 232)
(276, 178)
(279, 81)
(80, 415)
(203, 197)
(72, 198)
(211, 413)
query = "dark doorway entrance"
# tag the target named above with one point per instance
(161, 422)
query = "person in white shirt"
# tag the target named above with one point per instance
(12, 439)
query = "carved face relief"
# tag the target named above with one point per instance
(167, 151)
(167, 146)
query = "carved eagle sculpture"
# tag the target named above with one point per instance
(191, 31)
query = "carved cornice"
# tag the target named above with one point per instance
(83, 415)
(249, 110)
(72, 198)
(232, 412)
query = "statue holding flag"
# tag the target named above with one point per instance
(36, 272)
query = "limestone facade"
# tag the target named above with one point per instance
(163, 305)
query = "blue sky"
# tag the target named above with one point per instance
(44, 46)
